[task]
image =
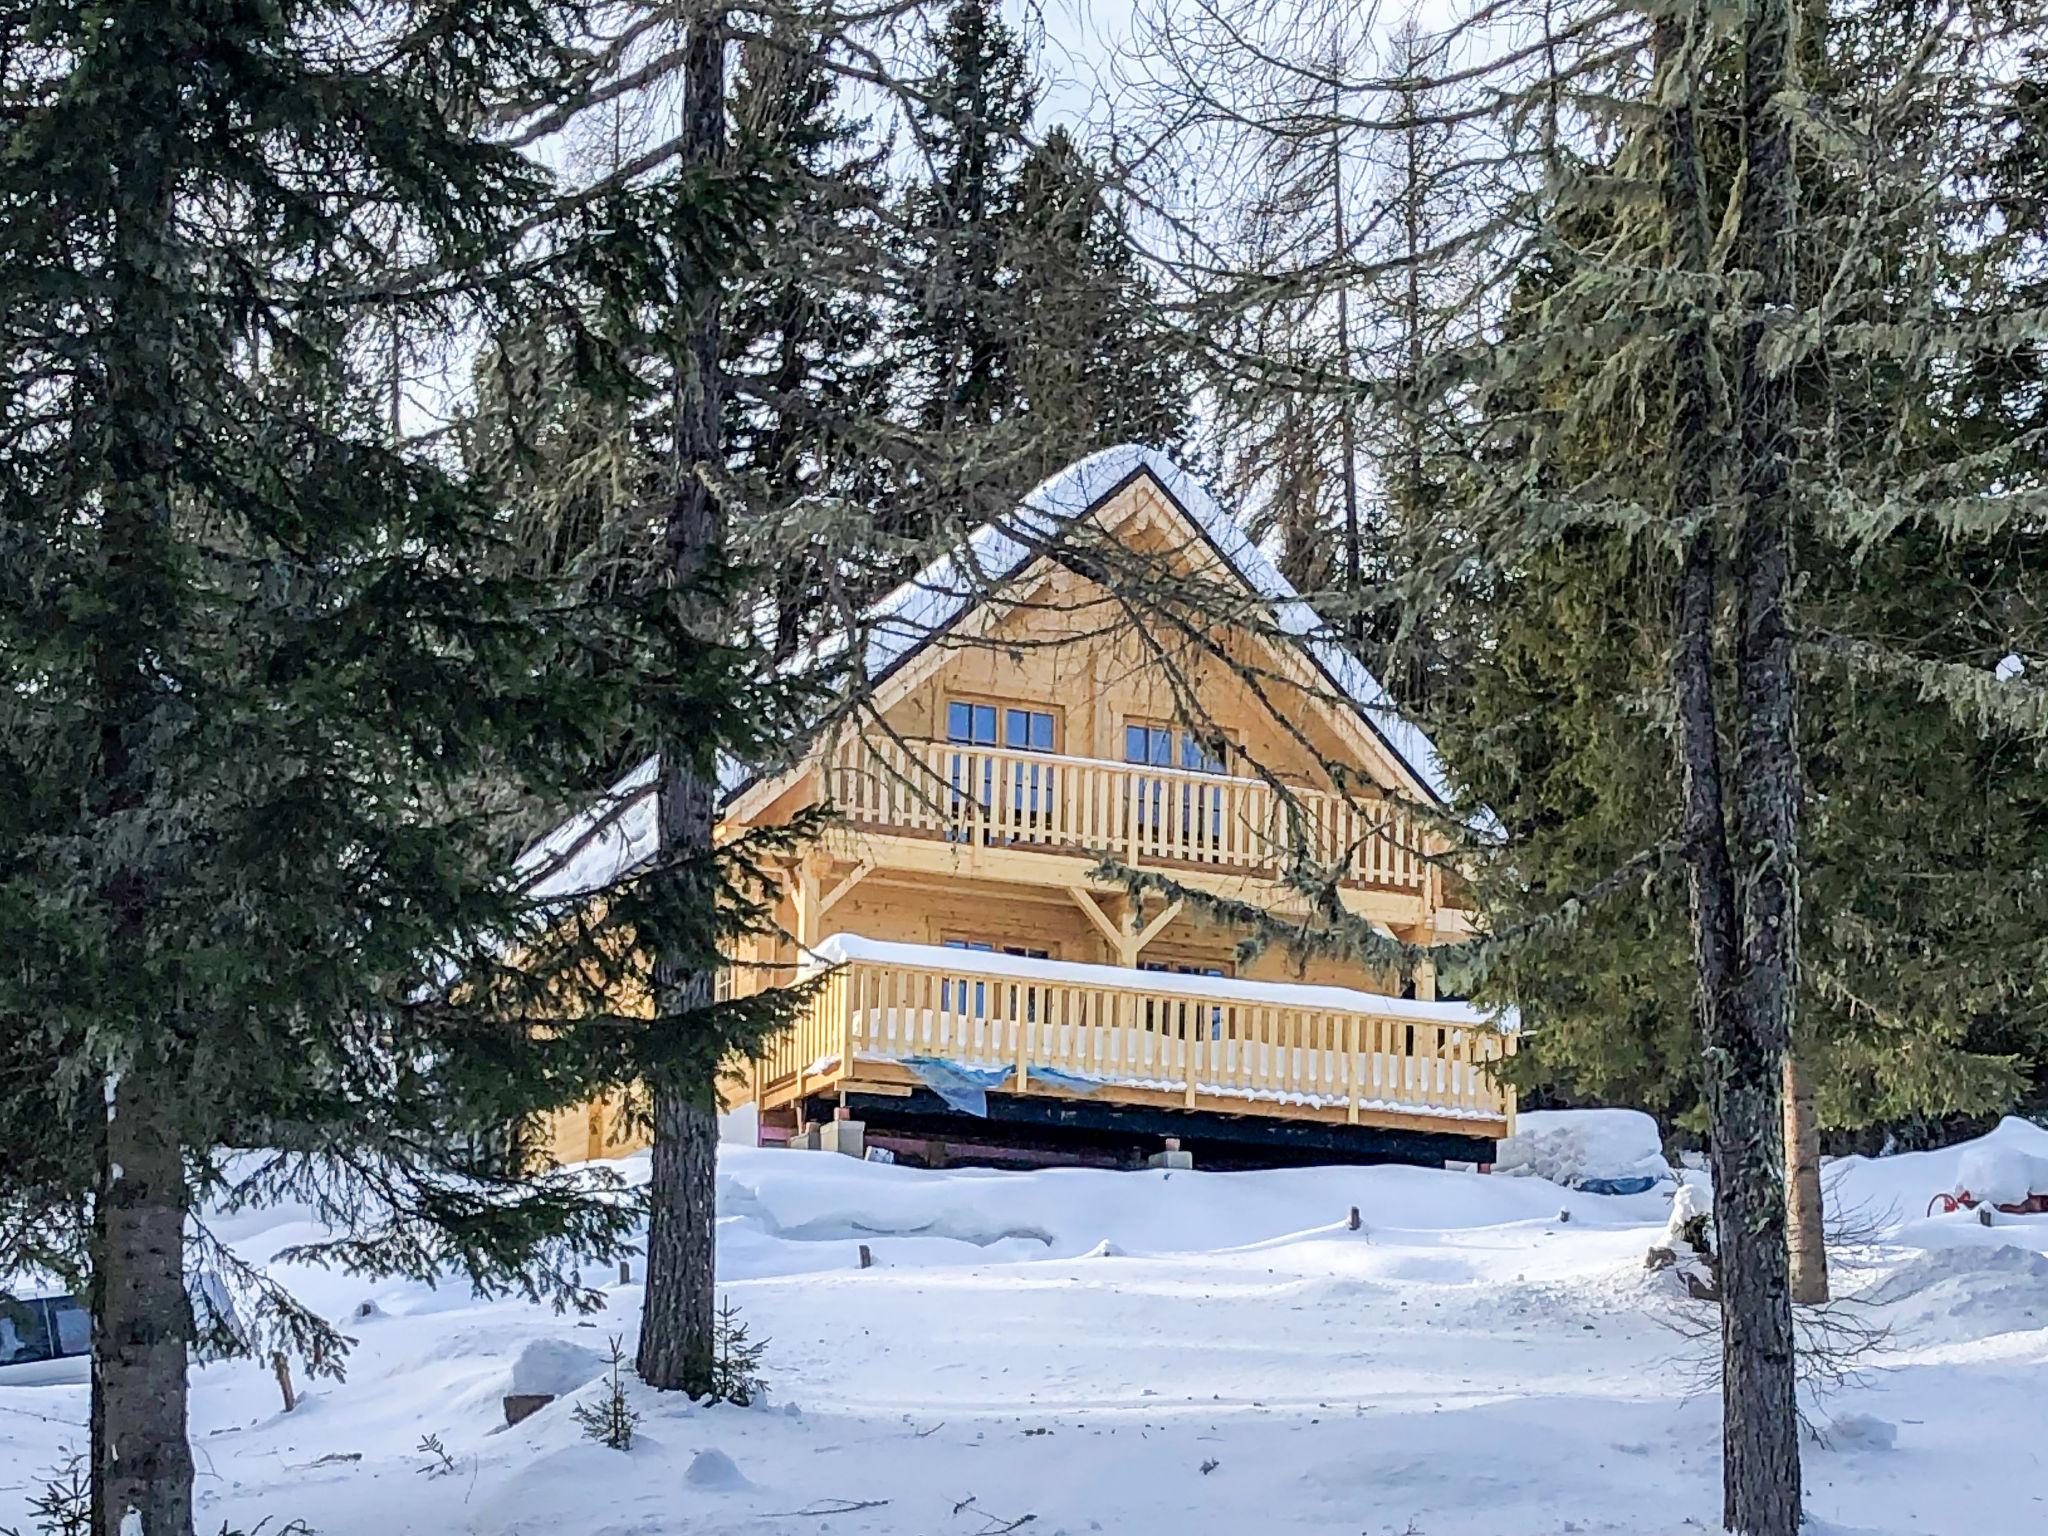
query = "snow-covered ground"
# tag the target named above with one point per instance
(1144, 1352)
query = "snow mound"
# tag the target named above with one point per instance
(1965, 1292)
(1573, 1146)
(2000, 1172)
(1901, 1185)
(554, 1368)
(1860, 1432)
(711, 1468)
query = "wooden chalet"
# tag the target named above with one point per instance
(994, 991)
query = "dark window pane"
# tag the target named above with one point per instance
(72, 1324)
(24, 1332)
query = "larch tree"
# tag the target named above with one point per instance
(1696, 364)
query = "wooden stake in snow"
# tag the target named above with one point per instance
(867, 1260)
(282, 1366)
(1351, 1223)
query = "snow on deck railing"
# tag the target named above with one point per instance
(1280, 1043)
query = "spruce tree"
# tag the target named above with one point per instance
(1095, 364)
(958, 325)
(275, 706)
(810, 435)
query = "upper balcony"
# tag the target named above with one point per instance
(980, 797)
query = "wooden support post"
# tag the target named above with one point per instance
(1092, 910)
(803, 892)
(1352, 1223)
(867, 1259)
(283, 1368)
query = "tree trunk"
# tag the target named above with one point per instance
(142, 1319)
(1761, 1429)
(1347, 427)
(677, 1322)
(1742, 1023)
(141, 1316)
(1806, 1211)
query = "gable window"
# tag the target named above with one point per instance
(1199, 823)
(1165, 746)
(1021, 729)
(1006, 799)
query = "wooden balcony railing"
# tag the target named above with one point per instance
(1081, 1027)
(1140, 814)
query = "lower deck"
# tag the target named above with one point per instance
(1016, 1054)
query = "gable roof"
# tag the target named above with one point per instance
(603, 842)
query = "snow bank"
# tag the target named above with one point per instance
(1899, 1187)
(1202, 1353)
(1574, 1146)
(1956, 1294)
(555, 1367)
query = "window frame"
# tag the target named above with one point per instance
(1181, 738)
(1002, 707)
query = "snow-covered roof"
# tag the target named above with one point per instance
(618, 832)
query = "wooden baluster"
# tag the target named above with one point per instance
(1352, 1067)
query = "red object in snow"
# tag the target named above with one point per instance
(1963, 1200)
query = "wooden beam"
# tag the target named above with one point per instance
(1094, 913)
(859, 873)
(1152, 930)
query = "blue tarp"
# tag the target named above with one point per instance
(1635, 1186)
(967, 1088)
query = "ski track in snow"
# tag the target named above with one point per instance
(1077, 1345)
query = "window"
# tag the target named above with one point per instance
(1177, 969)
(973, 994)
(1162, 746)
(974, 725)
(1201, 807)
(1009, 800)
(43, 1328)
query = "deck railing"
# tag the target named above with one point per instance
(1190, 1036)
(1139, 813)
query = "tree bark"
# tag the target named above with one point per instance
(1761, 1480)
(1742, 1006)
(142, 1321)
(141, 1316)
(1806, 1210)
(678, 1319)
(1347, 433)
